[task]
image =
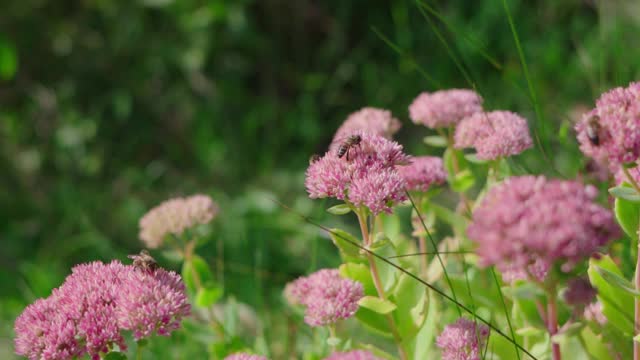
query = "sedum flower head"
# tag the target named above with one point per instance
(494, 134)
(444, 108)
(174, 216)
(89, 311)
(244, 356)
(463, 340)
(612, 129)
(327, 296)
(370, 164)
(370, 120)
(423, 172)
(353, 355)
(531, 221)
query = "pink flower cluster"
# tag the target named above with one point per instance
(463, 340)
(244, 356)
(494, 134)
(353, 355)
(328, 297)
(612, 129)
(444, 108)
(423, 172)
(174, 216)
(366, 175)
(89, 311)
(371, 120)
(530, 221)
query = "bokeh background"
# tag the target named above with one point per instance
(109, 107)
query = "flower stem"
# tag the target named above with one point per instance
(378, 283)
(456, 167)
(636, 300)
(552, 321)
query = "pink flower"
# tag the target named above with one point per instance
(444, 108)
(494, 134)
(463, 340)
(174, 216)
(244, 356)
(423, 172)
(328, 297)
(593, 312)
(353, 355)
(531, 220)
(366, 164)
(612, 129)
(44, 333)
(370, 120)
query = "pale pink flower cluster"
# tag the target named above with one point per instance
(369, 119)
(593, 312)
(614, 124)
(97, 302)
(353, 355)
(444, 108)
(365, 176)
(174, 216)
(423, 172)
(463, 340)
(328, 297)
(493, 134)
(530, 220)
(244, 356)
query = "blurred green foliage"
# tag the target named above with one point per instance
(109, 107)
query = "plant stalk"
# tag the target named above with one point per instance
(366, 238)
(552, 322)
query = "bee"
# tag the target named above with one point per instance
(144, 261)
(593, 128)
(314, 158)
(351, 141)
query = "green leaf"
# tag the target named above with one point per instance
(473, 158)
(462, 181)
(457, 221)
(628, 216)
(115, 356)
(196, 273)
(420, 346)
(359, 272)
(383, 247)
(377, 305)
(340, 209)
(333, 341)
(208, 296)
(617, 281)
(411, 298)
(374, 322)
(626, 193)
(436, 141)
(8, 60)
(617, 304)
(344, 242)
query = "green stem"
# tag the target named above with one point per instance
(378, 283)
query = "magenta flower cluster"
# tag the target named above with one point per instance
(174, 216)
(353, 355)
(423, 172)
(611, 131)
(369, 119)
(463, 340)
(444, 108)
(88, 313)
(494, 134)
(327, 296)
(365, 176)
(530, 221)
(244, 356)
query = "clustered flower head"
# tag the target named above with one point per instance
(463, 340)
(493, 134)
(612, 129)
(444, 108)
(328, 297)
(422, 172)
(369, 119)
(244, 356)
(531, 221)
(97, 302)
(365, 175)
(174, 216)
(353, 355)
